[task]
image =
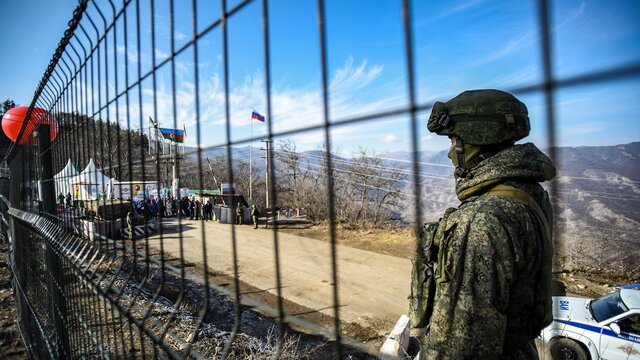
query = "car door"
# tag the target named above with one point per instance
(625, 345)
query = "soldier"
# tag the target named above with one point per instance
(239, 211)
(254, 215)
(130, 220)
(481, 281)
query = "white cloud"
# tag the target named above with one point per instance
(160, 55)
(528, 38)
(132, 53)
(292, 108)
(451, 10)
(463, 6)
(585, 128)
(525, 40)
(391, 138)
(350, 78)
(180, 36)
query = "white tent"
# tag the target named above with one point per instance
(62, 179)
(91, 183)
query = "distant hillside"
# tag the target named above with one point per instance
(623, 160)
(598, 204)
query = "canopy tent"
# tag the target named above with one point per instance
(91, 183)
(62, 180)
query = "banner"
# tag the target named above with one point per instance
(175, 188)
(137, 190)
(124, 191)
(153, 194)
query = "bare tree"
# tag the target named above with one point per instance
(365, 188)
(120, 153)
(373, 188)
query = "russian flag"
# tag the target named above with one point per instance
(256, 116)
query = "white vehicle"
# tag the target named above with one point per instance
(603, 328)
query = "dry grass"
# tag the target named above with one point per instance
(394, 241)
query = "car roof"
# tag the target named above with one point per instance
(631, 298)
(630, 286)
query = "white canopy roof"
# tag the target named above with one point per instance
(61, 179)
(67, 173)
(91, 176)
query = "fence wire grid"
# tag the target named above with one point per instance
(88, 285)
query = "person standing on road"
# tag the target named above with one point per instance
(481, 280)
(208, 209)
(61, 199)
(130, 220)
(239, 211)
(254, 215)
(198, 208)
(192, 209)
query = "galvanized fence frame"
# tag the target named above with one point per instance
(78, 297)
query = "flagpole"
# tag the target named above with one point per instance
(251, 162)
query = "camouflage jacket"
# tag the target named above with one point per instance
(493, 290)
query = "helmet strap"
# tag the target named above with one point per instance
(460, 171)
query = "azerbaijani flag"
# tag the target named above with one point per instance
(257, 116)
(172, 134)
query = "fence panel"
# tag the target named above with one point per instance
(119, 261)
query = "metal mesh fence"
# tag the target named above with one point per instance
(100, 274)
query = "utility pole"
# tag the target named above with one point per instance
(268, 161)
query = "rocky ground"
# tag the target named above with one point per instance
(11, 346)
(588, 282)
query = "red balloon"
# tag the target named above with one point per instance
(13, 119)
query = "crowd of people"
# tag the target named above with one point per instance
(192, 209)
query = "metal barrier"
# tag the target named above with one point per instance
(89, 293)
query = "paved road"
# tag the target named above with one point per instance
(371, 285)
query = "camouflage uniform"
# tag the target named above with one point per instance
(239, 212)
(130, 220)
(493, 279)
(254, 216)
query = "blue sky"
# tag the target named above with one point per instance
(459, 45)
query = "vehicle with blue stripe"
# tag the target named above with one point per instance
(589, 329)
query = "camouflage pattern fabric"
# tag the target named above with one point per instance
(479, 117)
(493, 290)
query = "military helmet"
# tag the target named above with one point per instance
(481, 117)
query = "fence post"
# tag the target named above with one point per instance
(18, 257)
(57, 305)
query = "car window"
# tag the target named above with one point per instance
(630, 325)
(607, 307)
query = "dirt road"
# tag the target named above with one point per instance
(371, 285)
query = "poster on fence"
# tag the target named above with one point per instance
(153, 194)
(137, 190)
(123, 191)
(150, 187)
